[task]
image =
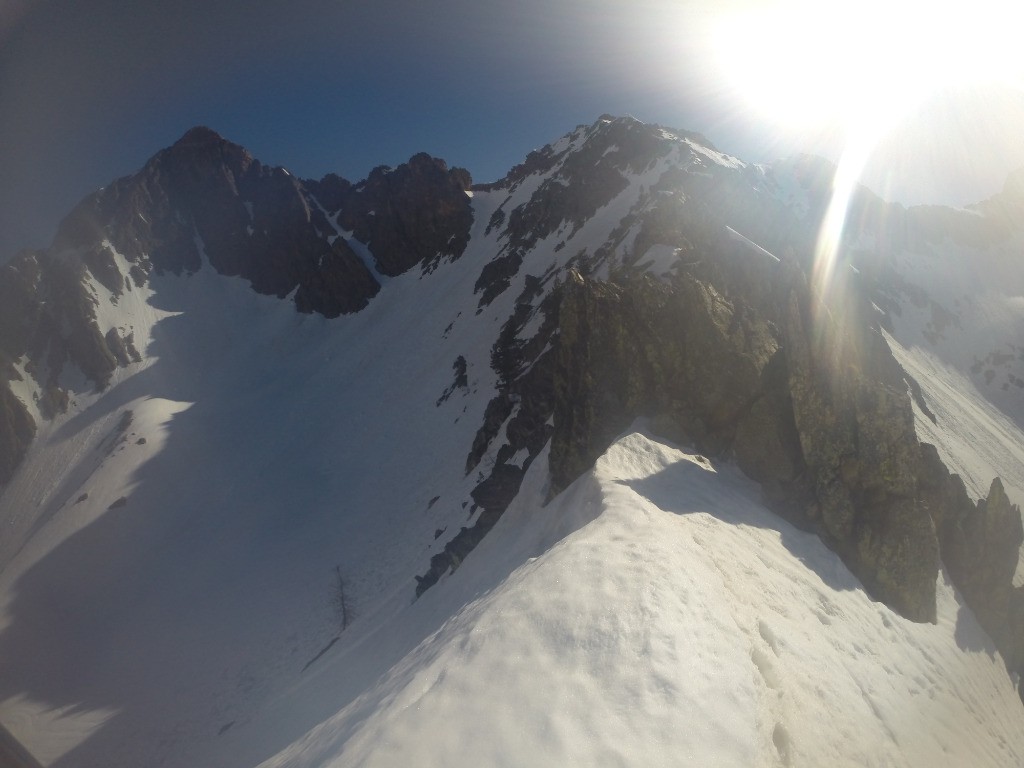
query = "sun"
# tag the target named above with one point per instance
(864, 64)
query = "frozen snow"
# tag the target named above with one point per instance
(719, 158)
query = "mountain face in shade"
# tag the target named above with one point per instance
(223, 381)
(207, 199)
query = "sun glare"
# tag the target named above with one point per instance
(803, 63)
(859, 68)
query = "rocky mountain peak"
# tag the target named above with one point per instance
(199, 151)
(624, 137)
(199, 135)
(206, 201)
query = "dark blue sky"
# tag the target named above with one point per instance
(89, 89)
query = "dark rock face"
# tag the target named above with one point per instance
(122, 348)
(417, 213)
(332, 190)
(250, 220)
(48, 321)
(677, 354)
(263, 224)
(979, 544)
(587, 178)
(48, 318)
(767, 445)
(830, 438)
(459, 367)
(856, 428)
(16, 432)
(340, 286)
(982, 548)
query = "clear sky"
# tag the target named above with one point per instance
(89, 89)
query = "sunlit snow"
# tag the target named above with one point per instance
(657, 614)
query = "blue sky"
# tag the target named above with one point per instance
(89, 89)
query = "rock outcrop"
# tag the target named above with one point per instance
(980, 544)
(829, 434)
(680, 354)
(16, 432)
(415, 214)
(523, 405)
(855, 422)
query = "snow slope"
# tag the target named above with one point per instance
(656, 614)
(245, 494)
(964, 306)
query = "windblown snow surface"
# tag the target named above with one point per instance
(170, 550)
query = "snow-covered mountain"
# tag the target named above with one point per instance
(578, 467)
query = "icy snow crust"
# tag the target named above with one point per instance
(166, 580)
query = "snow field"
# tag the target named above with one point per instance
(277, 446)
